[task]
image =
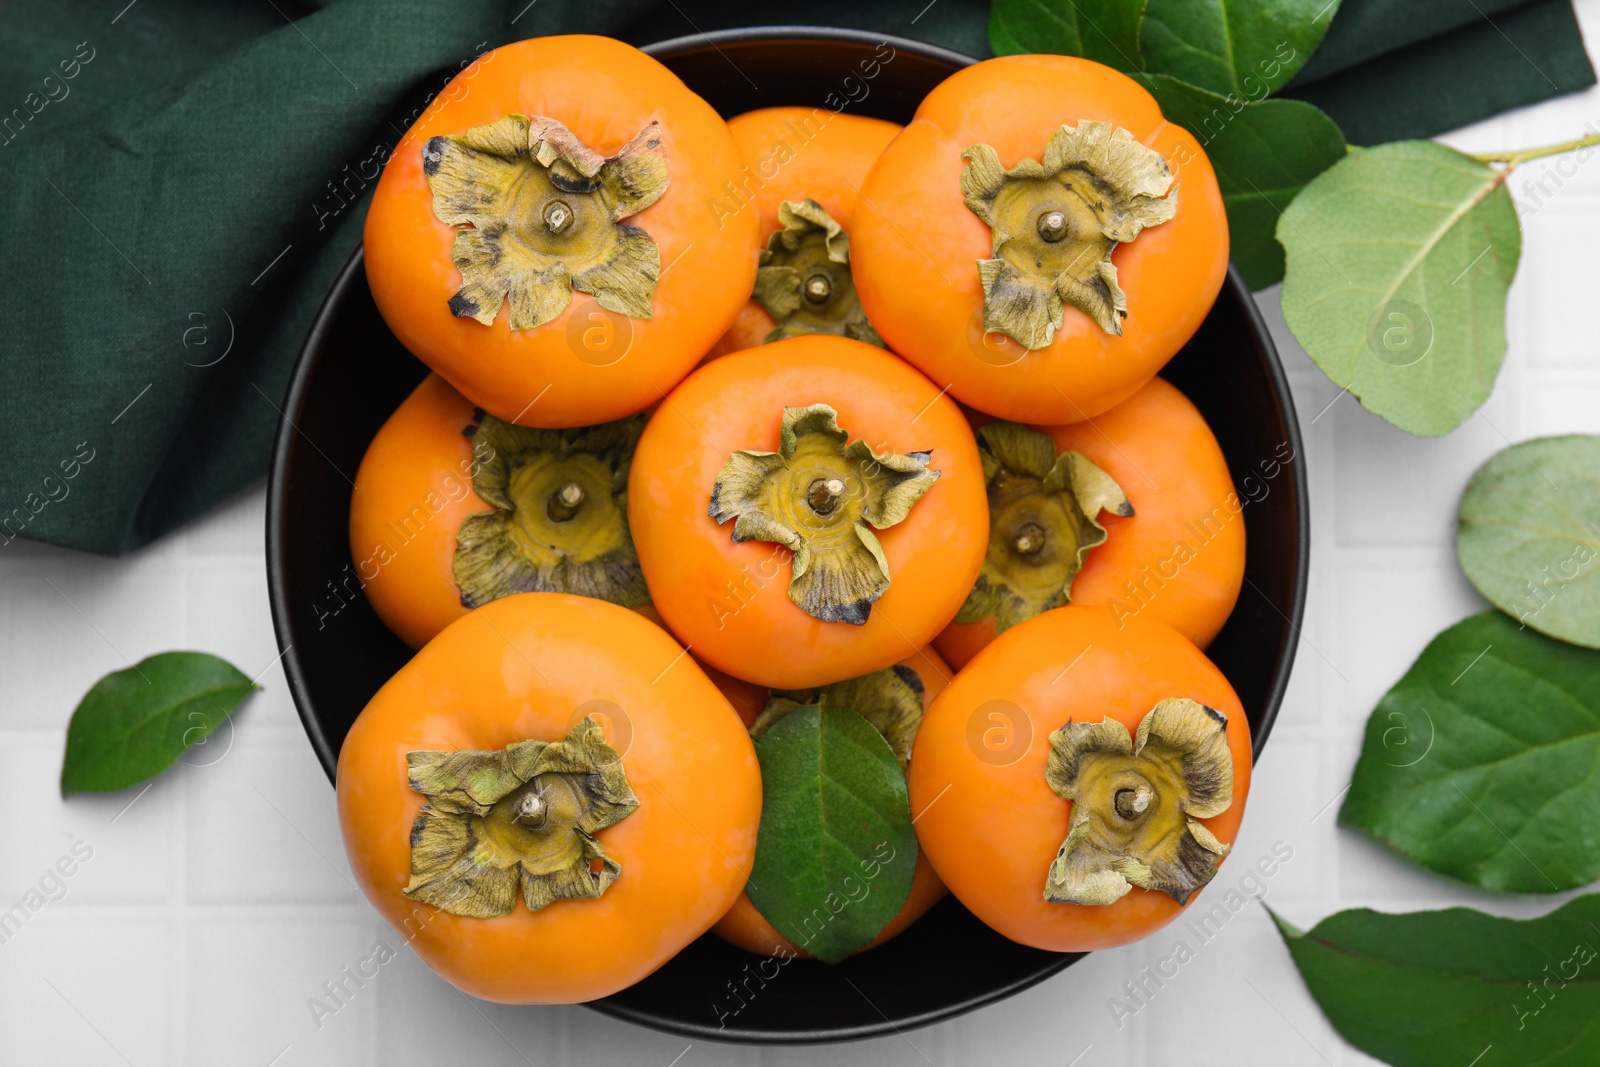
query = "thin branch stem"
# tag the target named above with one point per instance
(1512, 159)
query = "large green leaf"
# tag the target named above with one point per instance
(1264, 153)
(1483, 762)
(1106, 31)
(835, 853)
(1458, 987)
(1529, 537)
(134, 723)
(1243, 48)
(1398, 261)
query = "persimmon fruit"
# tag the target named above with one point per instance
(1175, 554)
(797, 155)
(543, 236)
(559, 872)
(1150, 736)
(807, 510)
(454, 508)
(1042, 240)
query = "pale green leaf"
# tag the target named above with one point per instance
(1398, 262)
(1529, 536)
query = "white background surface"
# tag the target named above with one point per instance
(218, 901)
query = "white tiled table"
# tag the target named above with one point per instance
(217, 902)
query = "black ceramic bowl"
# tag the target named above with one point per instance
(353, 373)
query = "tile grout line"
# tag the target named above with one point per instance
(180, 893)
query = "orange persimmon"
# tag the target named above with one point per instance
(542, 236)
(1179, 557)
(1081, 296)
(796, 154)
(1064, 695)
(892, 524)
(745, 926)
(592, 800)
(427, 544)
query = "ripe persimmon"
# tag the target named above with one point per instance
(804, 168)
(833, 454)
(1090, 776)
(744, 925)
(549, 800)
(544, 238)
(1042, 240)
(454, 508)
(1170, 548)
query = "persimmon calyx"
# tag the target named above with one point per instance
(1135, 802)
(524, 815)
(804, 280)
(1055, 221)
(822, 498)
(890, 700)
(1044, 520)
(560, 518)
(539, 214)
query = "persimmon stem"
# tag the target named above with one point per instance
(824, 494)
(1131, 803)
(1513, 159)
(1052, 226)
(1030, 539)
(797, 497)
(565, 502)
(531, 809)
(557, 216)
(557, 522)
(493, 824)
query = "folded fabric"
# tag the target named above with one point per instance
(1390, 70)
(181, 180)
(189, 183)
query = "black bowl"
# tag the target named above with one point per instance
(336, 654)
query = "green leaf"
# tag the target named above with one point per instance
(835, 853)
(1398, 261)
(1264, 153)
(1244, 48)
(1483, 762)
(1106, 31)
(1444, 987)
(1530, 535)
(134, 723)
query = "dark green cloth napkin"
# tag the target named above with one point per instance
(180, 180)
(187, 201)
(1395, 69)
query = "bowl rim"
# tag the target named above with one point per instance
(327, 750)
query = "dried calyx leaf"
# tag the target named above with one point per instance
(890, 699)
(1044, 514)
(822, 498)
(804, 281)
(524, 815)
(1055, 222)
(540, 214)
(1135, 802)
(560, 522)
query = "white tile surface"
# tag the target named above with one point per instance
(217, 903)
